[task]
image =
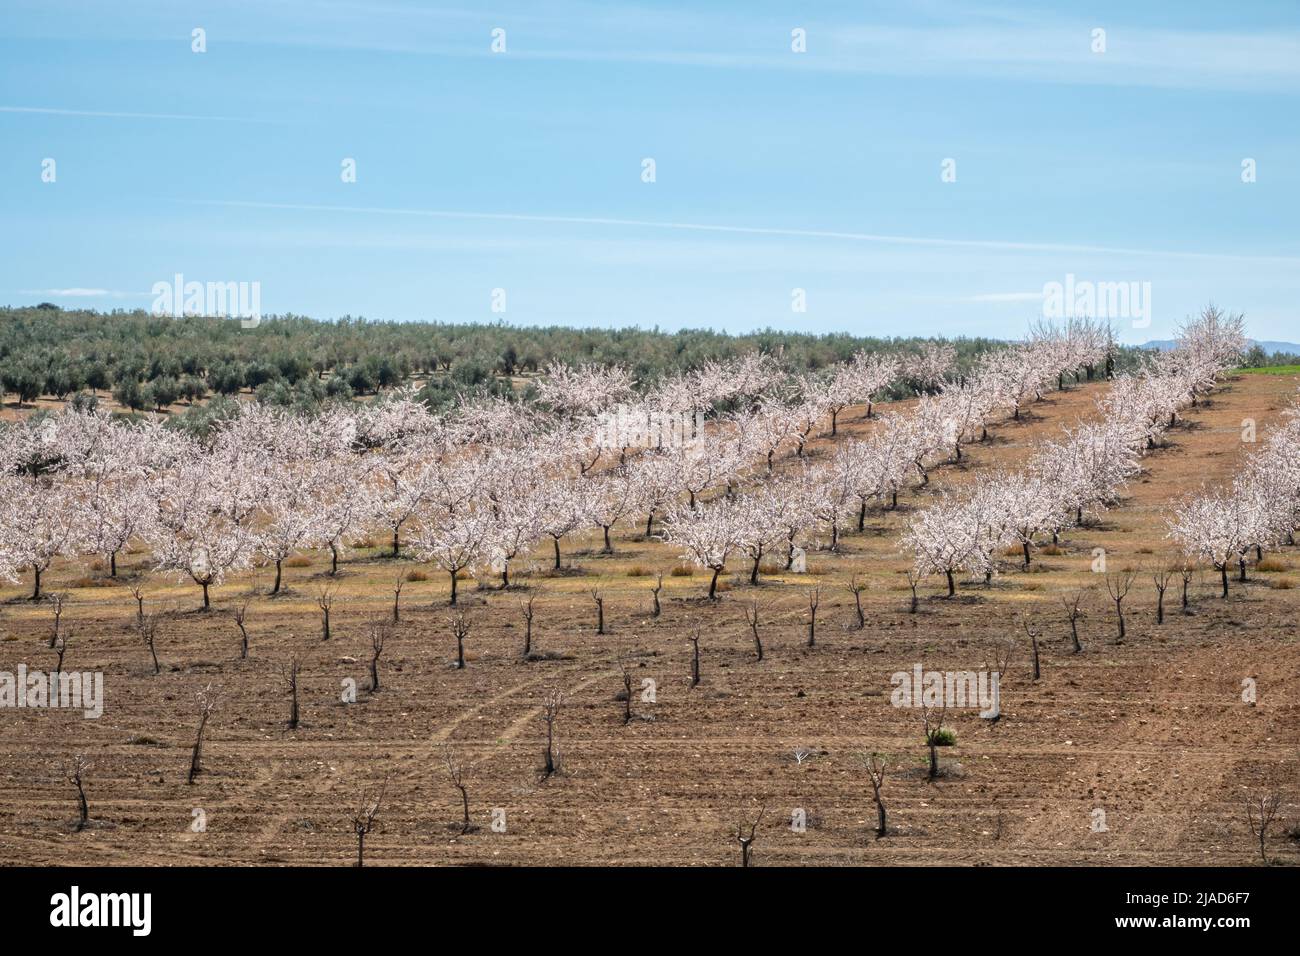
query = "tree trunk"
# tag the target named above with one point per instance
(397, 550)
(197, 754)
(207, 603)
(862, 516)
(556, 541)
(609, 547)
(112, 564)
(1025, 545)
(36, 585)
(1223, 569)
(452, 602)
(880, 819)
(713, 584)
(334, 560)
(753, 572)
(952, 585)
(275, 589)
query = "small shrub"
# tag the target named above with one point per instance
(1052, 550)
(636, 571)
(942, 738)
(1272, 566)
(298, 561)
(682, 571)
(415, 574)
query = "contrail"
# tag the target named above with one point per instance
(51, 111)
(997, 244)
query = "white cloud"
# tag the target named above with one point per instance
(77, 292)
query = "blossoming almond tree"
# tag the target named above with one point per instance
(453, 540)
(944, 539)
(611, 496)
(1215, 526)
(706, 534)
(194, 536)
(39, 523)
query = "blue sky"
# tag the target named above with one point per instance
(775, 170)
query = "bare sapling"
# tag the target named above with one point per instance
(379, 634)
(1260, 812)
(626, 696)
(877, 766)
(60, 649)
(913, 579)
(935, 737)
(148, 629)
(1118, 584)
(75, 771)
(814, 598)
(325, 602)
(598, 596)
(460, 628)
(363, 820)
(289, 677)
(856, 587)
(745, 833)
(1161, 577)
(1033, 632)
(751, 618)
(137, 592)
(550, 715)
(456, 773)
(1074, 613)
(239, 615)
(56, 603)
(1187, 572)
(526, 606)
(207, 701)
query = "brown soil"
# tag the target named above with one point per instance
(1152, 731)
